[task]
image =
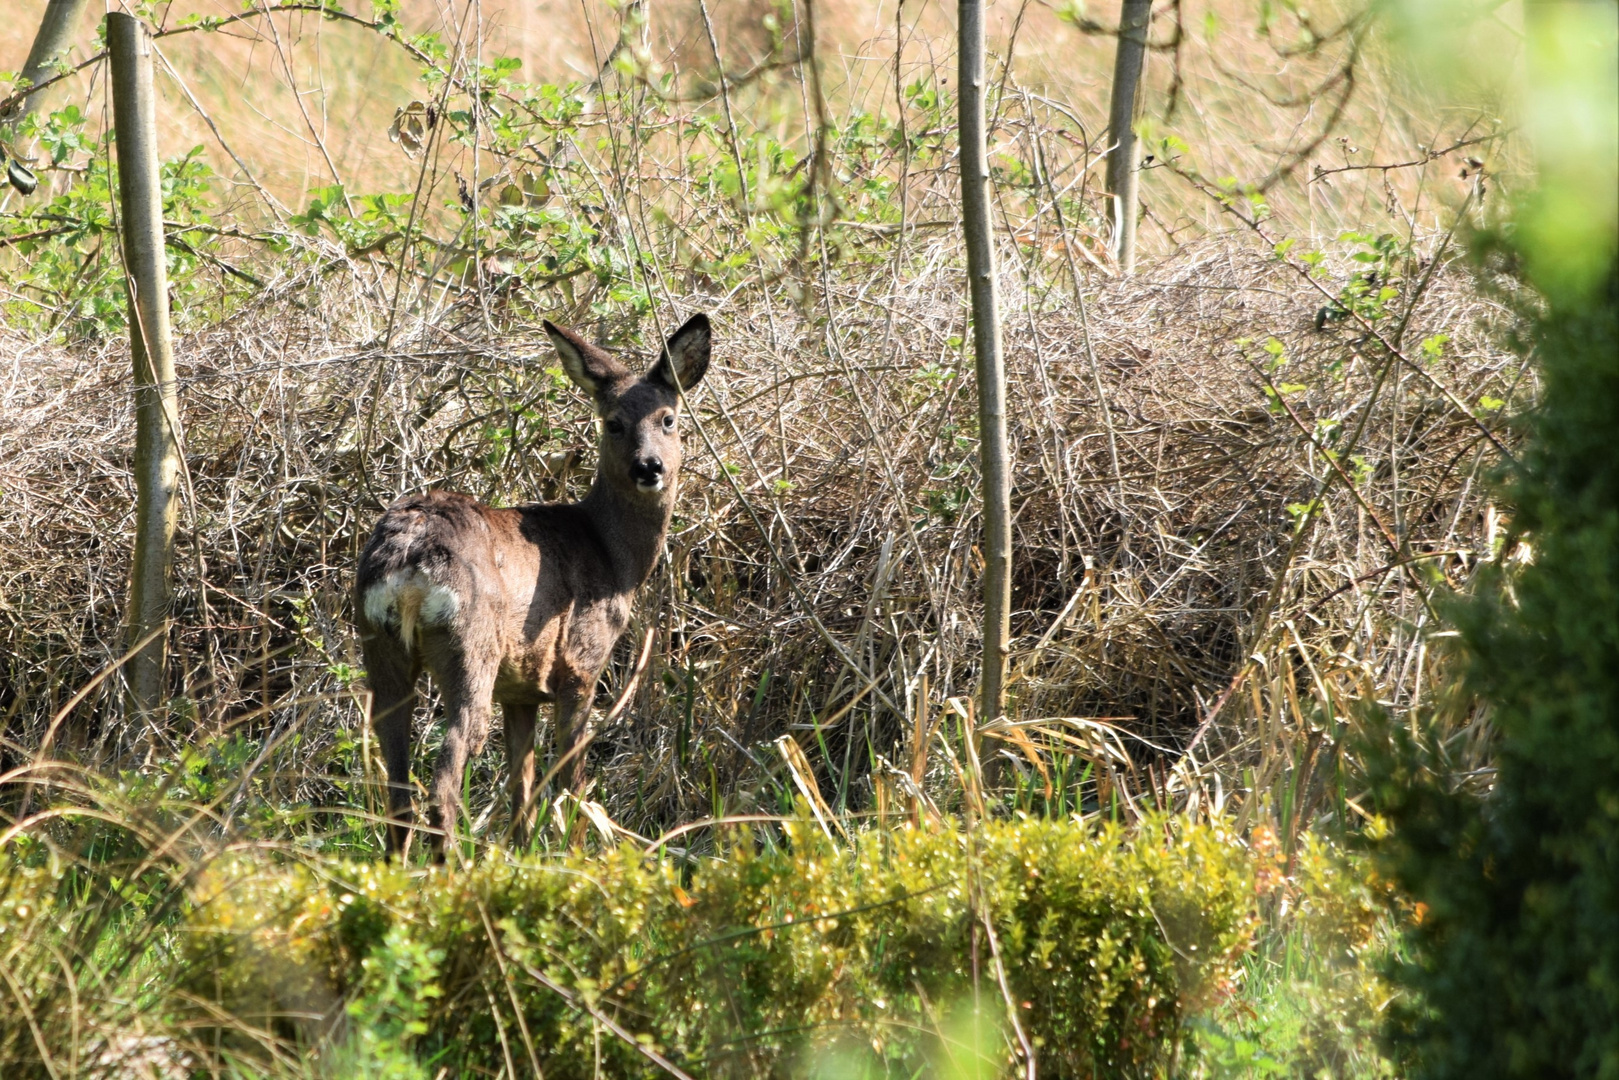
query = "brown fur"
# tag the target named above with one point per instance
(521, 605)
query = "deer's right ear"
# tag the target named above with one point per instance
(592, 369)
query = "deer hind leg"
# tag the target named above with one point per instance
(466, 686)
(520, 720)
(392, 673)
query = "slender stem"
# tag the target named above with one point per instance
(157, 423)
(1122, 174)
(993, 457)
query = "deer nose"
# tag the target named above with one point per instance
(647, 472)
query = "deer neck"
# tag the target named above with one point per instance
(631, 528)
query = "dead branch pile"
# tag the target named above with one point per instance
(1173, 520)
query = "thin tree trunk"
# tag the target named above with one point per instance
(992, 460)
(157, 454)
(975, 214)
(1122, 174)
(51, 43)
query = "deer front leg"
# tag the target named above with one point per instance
(520, 721)
(571, 732)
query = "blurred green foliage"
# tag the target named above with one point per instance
(1515, 962)
(1553, 69)
(1517, 959)
(760, 963)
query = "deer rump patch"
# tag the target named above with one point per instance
(407, 600)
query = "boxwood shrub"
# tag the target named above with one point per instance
(759, 961)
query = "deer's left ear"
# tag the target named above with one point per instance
(685, 356)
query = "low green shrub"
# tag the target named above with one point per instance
(757, 962)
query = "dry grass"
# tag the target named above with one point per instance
(820, 580)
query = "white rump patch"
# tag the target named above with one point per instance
(413, 599)
(439, 606)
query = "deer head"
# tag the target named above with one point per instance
(640, 430)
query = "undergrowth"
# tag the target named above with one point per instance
(1120, 952)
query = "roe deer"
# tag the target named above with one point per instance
(521, 605)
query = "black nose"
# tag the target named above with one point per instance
(647, 470)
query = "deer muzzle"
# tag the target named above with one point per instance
(648, 474)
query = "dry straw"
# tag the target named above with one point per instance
(819, 582)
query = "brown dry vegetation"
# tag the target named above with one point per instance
(828, 499)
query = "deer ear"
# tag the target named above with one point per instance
(685, 356)
(591, 368)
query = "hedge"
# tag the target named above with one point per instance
(758, 961)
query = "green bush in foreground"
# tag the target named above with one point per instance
(1517, 960)
(757, 963)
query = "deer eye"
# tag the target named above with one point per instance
(668, 421)
(614, 427)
